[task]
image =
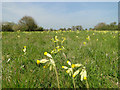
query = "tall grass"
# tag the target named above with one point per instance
(99, 56)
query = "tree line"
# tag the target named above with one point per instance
(27, 23)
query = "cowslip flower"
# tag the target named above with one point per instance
(47, 54)
(84, 43)
(88, 38)
(69, 70)
(83, 74)
(24, 49)
(49, 63)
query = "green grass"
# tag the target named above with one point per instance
(99, 57)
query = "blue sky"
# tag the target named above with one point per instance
(62, 14)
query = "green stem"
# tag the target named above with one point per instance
(87, 85)
(57, 77)
(73, 82)
(73, 79)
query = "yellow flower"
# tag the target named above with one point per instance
(38, 62)
(85, 78)
(64, 67)
(69, 63)
(43, 60)
(24, 46)
(73, 75)
(44, 67)
(24, 49)
(83, 74)
(84, 43)
(88, 38)
(45, 53)
(73, 65)
(76, 72)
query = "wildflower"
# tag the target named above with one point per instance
(88, 38)
(43, 66)
(69, 63)
(69, 71)
(24, 49)
(38, 62)
(76, 72)
(64, 67)
(96, 39)
(47, 54)
(93, 33)
(73, 65)
(50, 63)
(83, 74)
(8, 60)
(84, 43)
(76, 65)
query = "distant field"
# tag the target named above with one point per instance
(99, 56)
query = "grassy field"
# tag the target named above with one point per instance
(99, 56)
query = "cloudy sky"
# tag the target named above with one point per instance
(62, 14)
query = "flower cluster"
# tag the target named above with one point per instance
(24, 49)
(58, 44)
(79, 67)
(49, 62)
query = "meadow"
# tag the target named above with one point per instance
(99, 54)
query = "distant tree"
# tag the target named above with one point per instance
(27, 23)
(100, 26)
(39, 29)
(15, 27)
(61, 29)
(69, 29)
(79, 27)
(7, 26)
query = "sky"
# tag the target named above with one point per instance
(62, 14)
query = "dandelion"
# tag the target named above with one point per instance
(96, 39)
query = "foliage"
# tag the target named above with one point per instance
(28, 23)
(7, 26)
(104, 26)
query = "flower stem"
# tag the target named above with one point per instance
(57, 77)
(73, 82)
(87, 85)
